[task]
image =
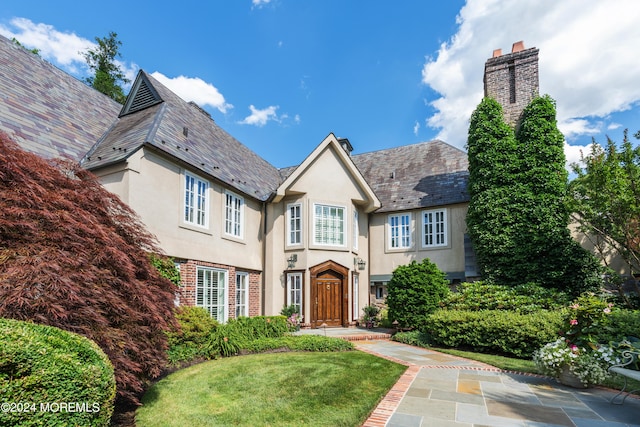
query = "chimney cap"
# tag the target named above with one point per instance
(517, 47)
(497, 53)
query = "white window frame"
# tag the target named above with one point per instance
(435, 228)
(233, 215)
(399, 234)
(195, 201)
(356, 229)
(242, 294)
(213, 295)
(294, 229)
(334, 228)
(356, 295)
(295, 290)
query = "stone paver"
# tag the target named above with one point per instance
(440, 390)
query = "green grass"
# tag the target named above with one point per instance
(277, 389)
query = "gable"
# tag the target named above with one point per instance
(329, 169)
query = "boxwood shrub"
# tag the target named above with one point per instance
(51, 377)
(299, 343)
(494, 331)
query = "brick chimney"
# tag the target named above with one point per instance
(512, 79)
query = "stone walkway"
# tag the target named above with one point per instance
(440, 390)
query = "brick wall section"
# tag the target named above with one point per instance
(189, 276)
(512, 80)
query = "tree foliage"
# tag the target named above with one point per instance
(74, 256)
(106, 72)
(414, 291)
(606, 198)
(518, 213)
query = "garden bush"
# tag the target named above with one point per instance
(622, 324)
(494, 331)
(58, 377)
(485, 295)
(414, 291)
(190, 339)
(299, 343)
(201, 337)
(415, 338)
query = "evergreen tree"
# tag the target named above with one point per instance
(107, 73)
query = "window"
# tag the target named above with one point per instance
(294, 290)
(329, 225)
(242, 294)
(400, 231)
(211, 292)
(356, 229)
(195, 200)
(294, 224)
(356, 295)
(234, 215)
(434, 225)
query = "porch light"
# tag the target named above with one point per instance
(361, 264)
(291, 261)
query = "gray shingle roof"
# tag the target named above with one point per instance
(47, 111)
(427, 174)
(183, 131)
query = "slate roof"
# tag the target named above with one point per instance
(187, 133)
(47, 111)
(428, 174)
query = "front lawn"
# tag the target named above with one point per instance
(276, 389)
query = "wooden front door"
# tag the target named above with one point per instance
(328, 295)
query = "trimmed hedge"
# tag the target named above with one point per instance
(622, 324)
(494, 331)
(299, 343)
(51, 377)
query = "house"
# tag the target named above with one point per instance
(250, 238)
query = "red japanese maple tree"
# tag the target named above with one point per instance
(74, 256)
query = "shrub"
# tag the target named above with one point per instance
(622, 324)
(299, 343)
(190, 339)
(485, 295)
(415, 337)
(42, 365)
(74, 256)
(494, 331)
(414, 291)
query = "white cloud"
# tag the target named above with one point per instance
(196, 90)
(260, 117)
(587, 60)
(259, 3)
(416, 128)
(61, 48)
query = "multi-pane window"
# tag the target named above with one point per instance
(294, 224)
(434, 226)
(294, 290)
(242, 294)
(211, 292)
(234, 214)
(400, 231)
(195, 200)
(329, 227)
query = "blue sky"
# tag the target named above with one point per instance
(280, 75)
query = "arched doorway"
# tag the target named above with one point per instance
(329, 294)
